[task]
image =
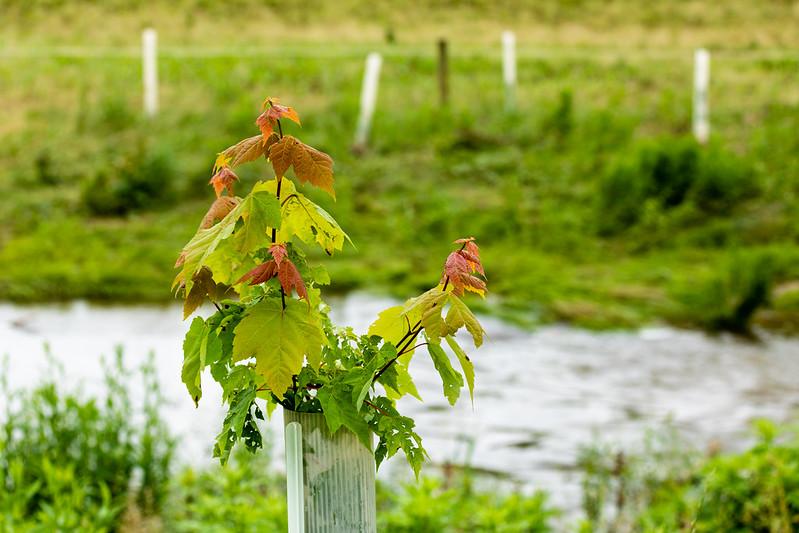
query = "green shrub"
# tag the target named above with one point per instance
(671, 173)
(429, 506)
(670, 487)
(139, 180)
(69, 463)
(728, 297)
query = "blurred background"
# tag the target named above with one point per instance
(636, 202)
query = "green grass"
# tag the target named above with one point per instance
(527, 184)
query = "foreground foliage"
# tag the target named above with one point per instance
(669, 487)
(71, 463)
(100, 473)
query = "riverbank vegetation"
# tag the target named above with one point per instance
(109, 462)
(601, 210)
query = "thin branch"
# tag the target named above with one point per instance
(376, 408)
(217, 306)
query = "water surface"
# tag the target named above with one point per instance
(539, 397)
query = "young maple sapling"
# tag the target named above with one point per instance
(270, 341)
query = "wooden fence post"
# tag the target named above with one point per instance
(443, 73)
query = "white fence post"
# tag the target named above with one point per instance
(149, 41)
(368, 98)
(701, 113)
(509, 68)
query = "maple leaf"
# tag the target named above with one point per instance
(279, 339)
(460, 267)
(310, 165)
(281, 154)
(219, 210)
(466, 365)
(280, 266)
(213, 246)
(304, 219)
(273, 111)
(243, 151)
(458, 316)
(223, 179)
(200, 347)
(202, 285)
(260, 274)
(471, 252)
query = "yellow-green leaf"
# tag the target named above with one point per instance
(279, 339)
(466, 365)
(460, 315)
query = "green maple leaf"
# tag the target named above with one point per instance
(392, 325)
(259, 212)
(451, 378)
(200, 348)
(460, 315)
(279, 339)
(302, 218)
(339, 410)
(466, 365)
(238, 423)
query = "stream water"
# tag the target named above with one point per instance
(540, 395)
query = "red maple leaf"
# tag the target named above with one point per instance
(461, 266)
(223, 179)
(280, 266)
(273, 111)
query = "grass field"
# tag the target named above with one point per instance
(591, 202)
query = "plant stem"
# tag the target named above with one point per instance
(376, 408)
(274, 230)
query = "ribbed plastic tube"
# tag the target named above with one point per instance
(338, 478)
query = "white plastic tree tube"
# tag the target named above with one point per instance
(338, 477)
(294, 478)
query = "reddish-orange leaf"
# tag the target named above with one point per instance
(203, 285)
(244, 151)
(310, 165)
(273, 112)
(260, 274)
(218, 210)
(282, 267)
(265, 124)
(460, 267)
(313, 166)
(281, 154)
(290, 279)
(276, 111)
(279, 252)
(223, 179)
